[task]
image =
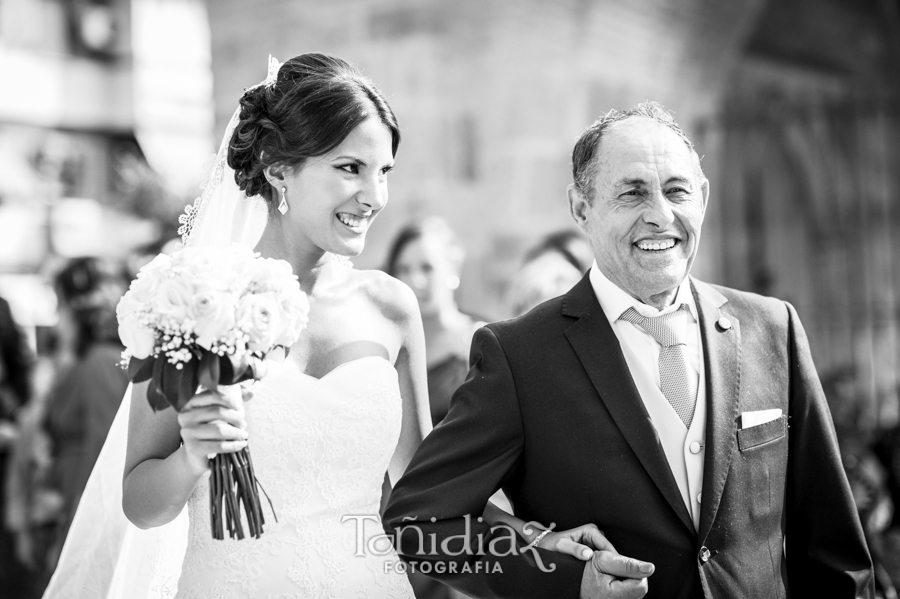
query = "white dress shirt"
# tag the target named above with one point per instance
(684, 448)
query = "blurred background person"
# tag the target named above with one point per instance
(887, 447)
(16, 579)
(550, 268)
(87, 393)
(428, 257)
(569, 244)
(867, 475)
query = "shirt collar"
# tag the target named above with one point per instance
(615, 301)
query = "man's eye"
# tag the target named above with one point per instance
(677, 190)
(352, 169)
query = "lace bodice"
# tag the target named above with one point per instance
(320, 448)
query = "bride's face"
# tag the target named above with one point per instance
(334, 198)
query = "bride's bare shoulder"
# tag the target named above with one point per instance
(393, 298)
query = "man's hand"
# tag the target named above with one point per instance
(611, 576)
(578, 542)
(607, 575)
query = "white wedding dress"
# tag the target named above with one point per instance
(320, 448)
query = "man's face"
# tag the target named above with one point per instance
(644, 222)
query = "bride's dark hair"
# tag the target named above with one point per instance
(315, 102)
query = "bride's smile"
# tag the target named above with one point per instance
(354, 222)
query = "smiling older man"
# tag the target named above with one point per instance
(684, 420)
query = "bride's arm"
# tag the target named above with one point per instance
(160, 470)
(412, 374)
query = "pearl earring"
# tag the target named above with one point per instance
(452, 282)
(283, 206)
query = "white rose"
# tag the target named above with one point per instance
(270, 274)
(213, 314)
(261, 317)
(195, 263)
(218, 269)
(128, 305)
(143, 288)
(137, 339)
(159, 264)
(296, 307)
(173, 298)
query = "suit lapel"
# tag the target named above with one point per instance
(722, 355)
(597, 346)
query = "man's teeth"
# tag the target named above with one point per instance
(351, 220)
(662, 244)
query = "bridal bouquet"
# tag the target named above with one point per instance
(205, 317)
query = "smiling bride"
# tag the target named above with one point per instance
(301, 174)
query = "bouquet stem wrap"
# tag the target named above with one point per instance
(233, 483)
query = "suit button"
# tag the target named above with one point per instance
(695, 447)
(699, 495)
(724, 324)
(704, 554)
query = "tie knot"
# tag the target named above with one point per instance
(668, 329)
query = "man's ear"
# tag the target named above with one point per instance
(578, 207)
(704, 189)
(276, 174)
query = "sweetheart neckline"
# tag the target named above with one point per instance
(342, 365)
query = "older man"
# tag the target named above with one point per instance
(684, 420)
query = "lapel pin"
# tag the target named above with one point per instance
(723, 324)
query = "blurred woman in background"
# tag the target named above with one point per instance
(86, 395)
(568, 244)
(550, 268)
(428, 257)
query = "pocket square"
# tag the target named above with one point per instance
(751, 419)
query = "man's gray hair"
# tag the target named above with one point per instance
(584, 156)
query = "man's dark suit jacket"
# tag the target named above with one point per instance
(550, 414)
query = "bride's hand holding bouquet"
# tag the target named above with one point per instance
(205, 319)
(212, 422)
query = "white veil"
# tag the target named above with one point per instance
(105, 556)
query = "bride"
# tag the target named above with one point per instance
(317, 145)
(308, 156)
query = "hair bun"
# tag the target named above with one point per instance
(253, 101)
(244, 157)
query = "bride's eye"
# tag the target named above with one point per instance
(387, 169)
(352, 169)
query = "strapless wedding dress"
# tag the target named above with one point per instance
(320, 448)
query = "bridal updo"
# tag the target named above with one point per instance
(315, 102)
